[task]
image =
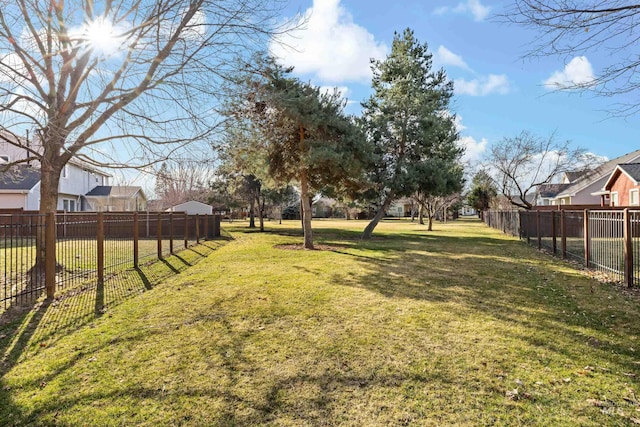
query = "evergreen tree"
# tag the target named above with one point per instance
(483, 191)
(303, 132)
(408, 121)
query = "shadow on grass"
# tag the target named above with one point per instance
(503, 279)
(37, 323)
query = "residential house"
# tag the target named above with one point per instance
(546, 193)
(82, 187)
(586, 189)
(192, 207)
(119, 198)
(20, 186)
(623, 186)
(402, 207)
(467, 210)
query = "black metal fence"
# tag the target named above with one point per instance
(607, 240)
(83, 247)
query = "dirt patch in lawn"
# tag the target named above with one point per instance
(300, 247)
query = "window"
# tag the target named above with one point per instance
(69, 205)
(614, 199)
(634, 199)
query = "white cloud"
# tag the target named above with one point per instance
(493, 83)
(458, 122)
(445, 57)
(473, 7)
(578, 73)
(330, 45)
(344, 92)
(473, 149)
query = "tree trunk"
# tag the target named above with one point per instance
(252, 213)
(430, 227)
(421, 215)
(49, 180)
(306, 210)
(261, 213)
(368, 231)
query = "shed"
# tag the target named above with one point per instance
(192, 208)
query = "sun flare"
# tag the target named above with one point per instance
(101, 36)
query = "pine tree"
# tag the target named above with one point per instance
(408, 120)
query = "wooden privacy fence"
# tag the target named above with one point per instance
(82, 247)
(605, 239)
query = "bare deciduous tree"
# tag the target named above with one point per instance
(575, 27)
(118, 83)
(179, 181)
(523, 162)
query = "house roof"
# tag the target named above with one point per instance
(190, 203)
(573, 176)
(124, 191)
(551, 190)
(632, 170)
(20, 177)
(602, 171)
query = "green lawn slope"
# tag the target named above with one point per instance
(461, 326)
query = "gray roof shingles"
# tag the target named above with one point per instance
(20, 177)
(631, 169)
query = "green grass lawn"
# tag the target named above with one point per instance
(461, 326)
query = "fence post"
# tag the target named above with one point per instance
(159, 228)
(563, 231)
(553, 231)
(206, 227)
(197, 229)
(136, 238)
(628, 249)
(50, 254)
(587, 243)
(171, 233)
(538, 229)
(186, 230)
(100, 249)
(216, 225)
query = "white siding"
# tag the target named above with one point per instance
(33, 198)
(13, 200)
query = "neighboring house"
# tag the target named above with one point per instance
(467, 210)
(623, 186)
(586, 189)
(20, 188)
(547, 193)
(402, 207)
(119, 198)
(76, 180)
(192, 208)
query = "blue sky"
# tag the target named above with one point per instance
(499, 92)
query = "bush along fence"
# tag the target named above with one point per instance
(88, 246)
(604, 239)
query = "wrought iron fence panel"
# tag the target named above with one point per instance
(606, 242)
(22, 275)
